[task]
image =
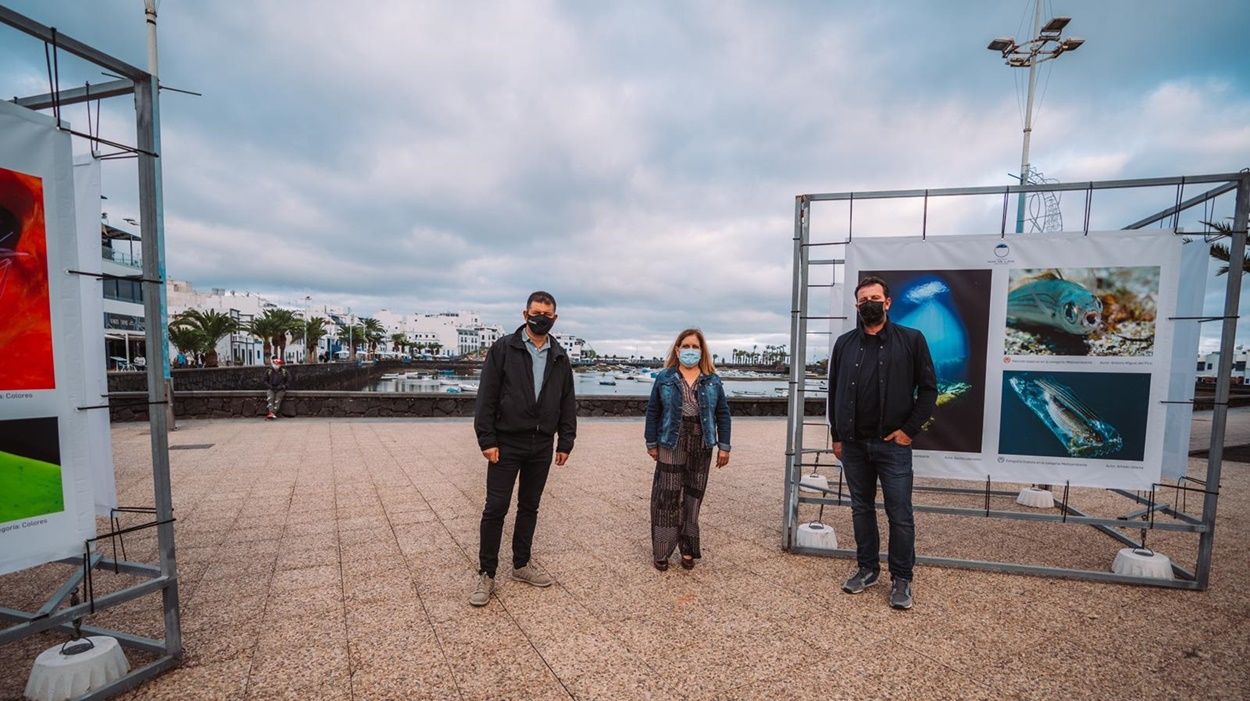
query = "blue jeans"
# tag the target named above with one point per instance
(864, 463)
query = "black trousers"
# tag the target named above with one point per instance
(527, 456)
(864, 463)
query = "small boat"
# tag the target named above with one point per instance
(608, 381)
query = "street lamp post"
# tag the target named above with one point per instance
(1046, 45)
(307, 299)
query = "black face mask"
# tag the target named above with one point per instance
(540, 325)
(872, 312)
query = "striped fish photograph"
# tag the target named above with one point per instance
(1082, 311)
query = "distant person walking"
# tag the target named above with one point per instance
(687, 416)
(882, 389)
(524, 399)
(276, 381)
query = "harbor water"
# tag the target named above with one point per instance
(627, 383)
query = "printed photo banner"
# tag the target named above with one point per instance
(1054, 353)
(46, 501)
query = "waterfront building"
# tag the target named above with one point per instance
(1208, 365)
(122, 324)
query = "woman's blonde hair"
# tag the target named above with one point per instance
(705, 358)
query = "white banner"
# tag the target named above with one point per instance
(87, 218)
(1054, 353)
(46, 505)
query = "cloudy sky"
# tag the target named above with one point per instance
(639, 160)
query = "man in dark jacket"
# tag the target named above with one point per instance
(524, 399)
(276, 381)
(882, 389)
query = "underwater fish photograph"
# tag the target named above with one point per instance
(1082, 311)
(952, 309)
(1098, 415)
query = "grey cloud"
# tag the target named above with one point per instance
(640, 159)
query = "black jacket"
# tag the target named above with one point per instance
(908, 384)
(276, 379)
(505, 396)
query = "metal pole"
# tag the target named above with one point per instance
(149, 12)
(1219, 411)
(1028, 118)
(795, 413)
(147, 124)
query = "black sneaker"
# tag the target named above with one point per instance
(900, 594)
(861, 580)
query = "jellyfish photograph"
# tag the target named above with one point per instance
(25, 310)
(952, 309)
(1075, 414)
(1082, 311)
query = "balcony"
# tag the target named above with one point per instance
(121, 257)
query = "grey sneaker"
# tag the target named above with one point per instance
(900, 594)
(485, 587)
(530, 575)
(861, 580)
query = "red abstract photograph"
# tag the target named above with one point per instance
(25, 310)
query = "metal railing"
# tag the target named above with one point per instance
(121, 257)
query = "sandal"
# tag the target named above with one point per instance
(661, 565)
(687, 562)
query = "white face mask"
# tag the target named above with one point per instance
(275, 366)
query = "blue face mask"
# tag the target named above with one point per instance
(689, 356)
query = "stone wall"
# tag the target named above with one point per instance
(317, 376)
(132, 406)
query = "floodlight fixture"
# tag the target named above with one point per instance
(1002, 44)
(1056, 25)
(1047, 44)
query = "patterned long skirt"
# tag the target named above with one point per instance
(677, 492)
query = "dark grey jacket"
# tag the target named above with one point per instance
(907, 382)
(505, 397)
(277, 379)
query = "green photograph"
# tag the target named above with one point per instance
(30, 469)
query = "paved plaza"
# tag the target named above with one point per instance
(332, 559)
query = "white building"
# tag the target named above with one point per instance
(442, 335)
(1208, 365)
(122, 324)
(239, 348)
(574, 346)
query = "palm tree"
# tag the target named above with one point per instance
(399, 342)
(434, 347)
(353, 335)
(311, 332)
(273, 327)
(1220, 251)
(189, 341)
(374, 333)
(213, 325)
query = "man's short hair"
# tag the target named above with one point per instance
(542, 298)
(870, 280)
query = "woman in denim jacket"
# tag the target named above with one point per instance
(687, 416)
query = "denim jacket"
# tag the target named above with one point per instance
(664, 410)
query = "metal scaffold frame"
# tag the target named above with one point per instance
(800, 456)
(162, 576)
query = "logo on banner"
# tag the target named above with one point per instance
(1001, 253)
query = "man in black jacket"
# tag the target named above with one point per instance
(276, 381)
(524, 399)
(882, 389)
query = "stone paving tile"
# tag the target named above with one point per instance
(337, 564)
